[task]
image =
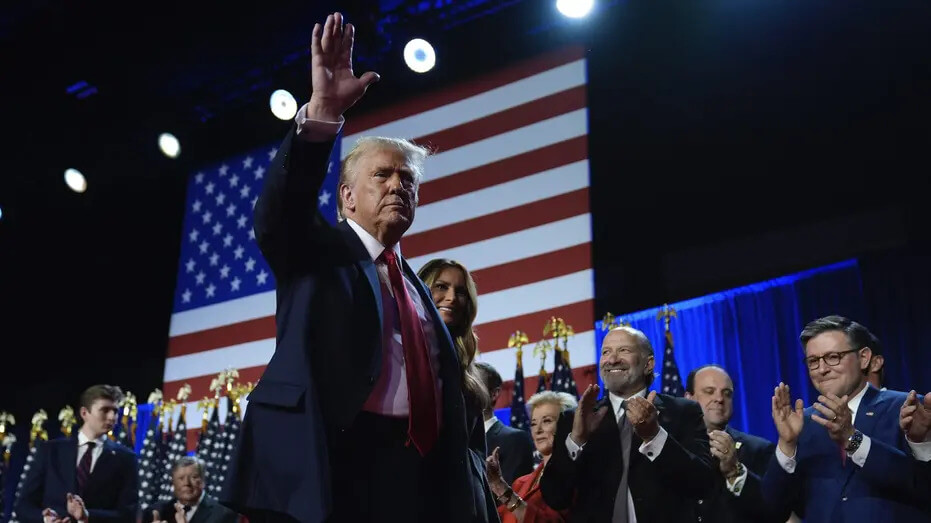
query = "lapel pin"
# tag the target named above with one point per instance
(738, 444)
(870, 413)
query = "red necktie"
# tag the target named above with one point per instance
(84, 467)
(423, 426)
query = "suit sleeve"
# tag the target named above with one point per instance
(128, 500)
(558, 482)
(519, 458)
(29, 506)
(686, 458)
(779, 489)
(750, 501)
(286, 211)
(887, 467)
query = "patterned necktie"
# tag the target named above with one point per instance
(84, 467)
(423, 425)
(620, 499)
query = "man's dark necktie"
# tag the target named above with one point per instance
(84, 467)
(620, 500)
(187, 508)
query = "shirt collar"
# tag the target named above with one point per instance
(199, 501)
(854, 403)
(83, 439)
(373, 246)
(490, 422)
(617, 400)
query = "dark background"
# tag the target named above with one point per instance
(730, 142)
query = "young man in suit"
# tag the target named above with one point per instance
(740, 458)
(634, 456)
(515, 447)
(191, 503)
(844, 459)
(360, 414)
(86, 478)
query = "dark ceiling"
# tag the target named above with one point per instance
(713, 123)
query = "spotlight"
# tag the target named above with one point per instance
(575, 8)
(419, 55)
(75, 180)
(283, 105)
(169, 145)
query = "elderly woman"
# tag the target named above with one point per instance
(522, 501)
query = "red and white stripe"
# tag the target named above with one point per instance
(506, 194)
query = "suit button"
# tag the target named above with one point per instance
(701, 501)
(843, 498)
(650, 454)
(699, 518)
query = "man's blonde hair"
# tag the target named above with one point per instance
(413, 153)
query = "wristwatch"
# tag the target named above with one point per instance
(854, 441)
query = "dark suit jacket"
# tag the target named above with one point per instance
(328, 358)
(665, 490)
(748, 507)
(516, 450)
(111, 494)
(209, 511)
(823, 488)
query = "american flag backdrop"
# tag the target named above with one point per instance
(506, 194)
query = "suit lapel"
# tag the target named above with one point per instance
(68, 466)
(866, 417)
(361, 256)
(104, 466)
(203, 511)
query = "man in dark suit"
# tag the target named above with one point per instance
(844, 459)
(646, 461)
(515, 447)
(191, 503)
(360, 414)
(87, 478)
(740, 458)
(915, 422)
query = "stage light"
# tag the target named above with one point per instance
(75, 180)
(575, 8)
(419, 55)
(169, 145)
(283, 105)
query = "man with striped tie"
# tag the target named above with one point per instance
(360, 414)
(87, 478)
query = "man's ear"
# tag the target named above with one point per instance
(866, 354)
(348, 199)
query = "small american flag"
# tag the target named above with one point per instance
(672, 383)
(519, 418)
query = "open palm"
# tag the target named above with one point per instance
(335, 86)
(789, 421)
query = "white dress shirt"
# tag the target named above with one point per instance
(190, 514)
(489, 423)
(651, 449)
(82, 448)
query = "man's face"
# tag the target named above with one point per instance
(714, 391)
(625, 367)
(188, 484)
(382, 193)
(849, 373)
(100, 418)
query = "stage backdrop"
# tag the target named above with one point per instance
(506, 195)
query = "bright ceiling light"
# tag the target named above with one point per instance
(419, 55)
(575, 8)
(283, 104)
(169, 145)
(75, 180)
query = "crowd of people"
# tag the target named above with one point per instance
(374, 407)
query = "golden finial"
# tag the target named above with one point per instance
(67, 419)
(667, 313)
(168, 413)
(6, 419)
(184, 392)
(204, 405)
(7, 441)
(218, 384)
(610, 321)
(231, 375)
(38, 431)
(518, 339)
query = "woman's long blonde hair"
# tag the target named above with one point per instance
(464, 337)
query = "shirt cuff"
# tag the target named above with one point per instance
(859, 457)
(652, 449)
(316, 130)
(788, 464)
(736, 485)
(921, 451)
(573, 448)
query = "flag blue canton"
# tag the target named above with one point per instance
(519, 418)
(671, 383)
(562, 379)
(220, 259)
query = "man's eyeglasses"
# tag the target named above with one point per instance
(832, 359)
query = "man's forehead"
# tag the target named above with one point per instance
(384, 157)
(712, 376)
(618, 338)
(830, 341)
